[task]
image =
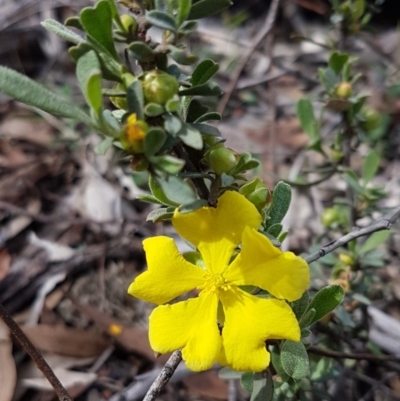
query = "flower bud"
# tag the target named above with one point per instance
(372, 119)
(133, 134)
(159, 87)
(221, 159)
(129, 23)
(346, 259)
(329, 217)
(344, 90)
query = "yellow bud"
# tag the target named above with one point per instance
(346, 259)
(344, 90)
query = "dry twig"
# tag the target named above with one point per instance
(382, 224)
(268, 24)
(352, 355)
(164, 376)
(40, 362)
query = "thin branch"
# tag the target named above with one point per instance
(350, 355)
(164, 376)
(385, 223)
(268, 24)
(40, 362)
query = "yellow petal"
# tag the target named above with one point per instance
(260, 263)
(216, 231)
(169, 274)
(190, 325)
(249, 322)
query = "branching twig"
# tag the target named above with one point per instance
(350, 355)
(382, 224)
(164, 376)
(269, 22)
(40, 362)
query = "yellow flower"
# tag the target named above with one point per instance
(247, 321)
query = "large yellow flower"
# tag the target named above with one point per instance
(247, 321)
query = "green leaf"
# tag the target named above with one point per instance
(211, 116)
(207, 89)
(206, 129)
(135, 99)
(62, 31)
(277, 363)
(374, 241)
(183, 11)
(295, 360)
(337, 61)
(305, 113)
(325, 301)
(157, 215)
(275, 229)
(103, 146)
(203, 72)
(181, 56)
(370, 166)
(172, 124)
(149, 199)
(88, 74)
(161, 19)
(192, 206)
(245, 162)
(153, 141)
(300, 306)
(328, 78)
(246, 381)
(167, 163)
(263, 387)
(190, 136)
(75, 22)
(307, 318)
(142, 52)
(25, 90)
(281, 197)
(97, 22)
(177, 190)
(358, 9)
(153, 109)
(207, 8)
(229, 374)
(188, 27)
(196, 110)
(351, 178)
(158, 192)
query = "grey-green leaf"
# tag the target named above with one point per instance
(135, 99)
(370, 166)
(27, 91)
(325, 301)
(204, 72)
(295, 360)
(103, 146)
(161, 19)
(97, 21)
(89, 77)
(281, 198)
(207, 8)
(211, 116)
(62, 31)
(207, 89)
(263, 387)
(183, 11)
(142, 51)
(153, 141)
(305, 113)
(337, 61)
(192, 206)
(177, 190)
(190, 136)
(158, 192)
(374, 241)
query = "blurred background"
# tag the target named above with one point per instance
(71, 226)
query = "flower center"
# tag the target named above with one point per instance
(215, 282)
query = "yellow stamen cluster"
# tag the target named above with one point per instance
(215, 282)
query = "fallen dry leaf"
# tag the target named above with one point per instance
(66, 341)
(207, 384)
(8, 375)
(5, 259)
